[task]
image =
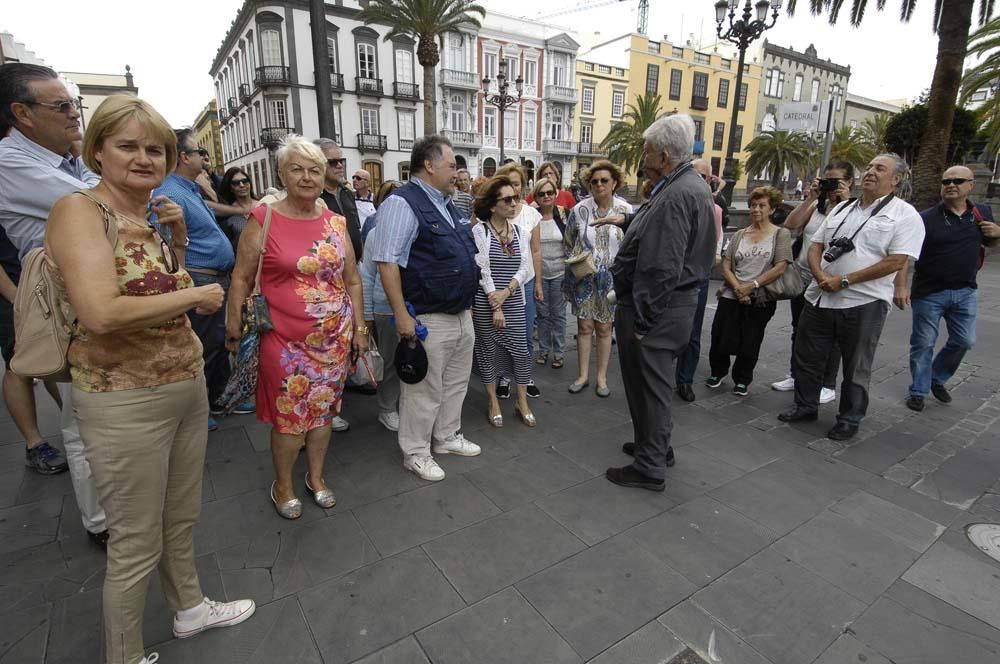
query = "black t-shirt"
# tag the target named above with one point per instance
(949, 258)
(9, 257)
(343, 204)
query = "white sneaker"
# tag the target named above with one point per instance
(151, 658)
(424, 467)
(389, 420)
(339, 424)
(213, 614)
(786, 385)
(826, 395)
(457, 444)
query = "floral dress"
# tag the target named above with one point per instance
(588, 297)
(304, 359)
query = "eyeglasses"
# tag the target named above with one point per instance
(596, 181)
(240, 183)
(203, 152)
(64, 107)
(336, 162)
(509, 200)
(955, 181)
(359, 177)
(169, 257)
(197, 151)
(546, 194)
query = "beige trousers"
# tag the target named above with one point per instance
(432, 409)
(146, 449)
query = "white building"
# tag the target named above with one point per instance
(265, 88)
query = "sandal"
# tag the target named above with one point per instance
(557, 363)
(290, 509)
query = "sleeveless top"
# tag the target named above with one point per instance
(166, 353)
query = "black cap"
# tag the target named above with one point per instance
(410, 361)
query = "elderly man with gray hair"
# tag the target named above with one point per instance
(665, 256)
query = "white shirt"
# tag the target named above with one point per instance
(896, 229)
(808, 232)
(527, 218)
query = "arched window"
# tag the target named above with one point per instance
(489, 167)
(270, 47)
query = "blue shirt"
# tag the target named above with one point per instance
(375, 299)
(397, 226)
(32, 179)
(209, 247)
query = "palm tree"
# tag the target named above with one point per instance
(853, 146)
(952, 20)
(426, 21)
(986, 42)
(624, 141)
(775, 152)
(874, 130)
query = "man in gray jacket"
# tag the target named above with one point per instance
(666, 254)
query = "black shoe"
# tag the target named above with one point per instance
(940, 393)
(797, 414)
(629, 449)
(100, 539)
(740, 390)
(842, 431)
(45, 459)
(713, 381)
(685, 392)
(533, 391)
(632, 478)
(913, 402)
(503, 390)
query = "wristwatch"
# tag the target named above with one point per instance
(361, 329)
(844, 281)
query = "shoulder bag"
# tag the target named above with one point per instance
(582, 262)
(786, 287)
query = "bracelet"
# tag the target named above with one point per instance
(363, 329)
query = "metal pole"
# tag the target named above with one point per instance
(828, 139)
(500, 120)
(727, 174)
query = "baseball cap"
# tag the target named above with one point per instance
(410, 361)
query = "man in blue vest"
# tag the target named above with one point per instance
(426, 259)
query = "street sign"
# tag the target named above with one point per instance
(800, 116)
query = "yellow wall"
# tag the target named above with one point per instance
(605, 79)
(207, 135)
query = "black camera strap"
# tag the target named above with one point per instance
(857, 202)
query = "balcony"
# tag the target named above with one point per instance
(699, 103)
(372, 143)
(467, 139)
(460, 79)
(560, 93)
(552, 146)
(405, 90)
(591, 149)
(245, 93)
(405, 144)
(223, 116)
(271, 137)
(368, 86)
(337, 81)
(234, 106)
(271, 75)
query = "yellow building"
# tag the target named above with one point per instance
(698, 82)
(599, 86)
(208, 136)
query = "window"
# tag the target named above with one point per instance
(511, 64)
(366, 61)
(246, 134)
(556, 123)
(743, 96)
(490, 122)
(699, 129)
(510, 126)
(726, 64)
(718, 135)
(836, 93)
(654, 47)
(652, 79)
(331, 54)
(490, 65)
(617, 104)
(738, 145)
(723, 92)
(560, 69)
(677, 52)
(528, 123)
(270, 47)
(404, 65)
(489, 167)
(604, 69)
(588, 101)
(252, 60)
(702, 58)
(404, 171)
(586, 133)
(797, 90)
(774, 82)
(979, 95)
(700, 87)
(279, 117)
(454, 56)
(407, 127)
(854, 124)
(456, 112)
(675, 83)
(530, 72)
(369, 121)
(814, 91)
(588, 66)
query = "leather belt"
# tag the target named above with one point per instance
(208, 271)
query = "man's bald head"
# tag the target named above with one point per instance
(361, 181)
(960, 182)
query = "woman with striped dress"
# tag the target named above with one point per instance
(503, 253)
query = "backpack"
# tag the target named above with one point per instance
(43, 316)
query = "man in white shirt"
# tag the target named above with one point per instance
(363, 197)
(853, 256)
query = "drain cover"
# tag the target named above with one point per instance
(986, 537)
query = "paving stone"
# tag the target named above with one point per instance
(902, 475)
(502, 628)
(897, 523)
(23, 636)
(28, 579)
(490, 555)
(599, 509)
(377, 605)
(908, 625)
(708, 637)
(398, 523)
(527, 478)
(848, 649)
(966, 582)
(406, 651)
(652, 644)
(254, 583)
(778, 607)
(856, 559)
(702, 470)
(746, 449)
(595, 454)
(260, 551)
(365, 478)
(601, 595)
(158, 617)
(76, 631)
(702, 539)
(883, 450)
(962, 479)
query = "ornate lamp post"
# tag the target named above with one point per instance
(502, 100)
(742, 31)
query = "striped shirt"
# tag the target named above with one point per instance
(398, 226)
(463, 202)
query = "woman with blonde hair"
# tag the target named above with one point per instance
(552, 171)
(551, 232)
(313, 291)
(138, 374)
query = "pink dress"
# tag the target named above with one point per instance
(305, 359)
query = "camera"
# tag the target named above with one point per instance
(828, 185)
(838, 247)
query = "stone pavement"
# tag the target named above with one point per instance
(770, 544)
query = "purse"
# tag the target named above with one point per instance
(582, 264)
(256, 313)
(369, 367)
(786, 287)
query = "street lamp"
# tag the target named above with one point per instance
(502, 100)
(742, 31)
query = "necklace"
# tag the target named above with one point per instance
(505, 239)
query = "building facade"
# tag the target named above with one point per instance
(603, 89)
(208, 135)
(265, 89)
(791, 76)
(858, 110)
(92, 89)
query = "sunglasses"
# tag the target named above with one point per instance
(546, 193)
(600, 181)
(359, 177)
(240, 183)
(337, 162)
(955, 181)
(509, 200)
(64, 107)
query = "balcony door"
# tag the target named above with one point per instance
(366, 61)
(270, 47)
(369, 121)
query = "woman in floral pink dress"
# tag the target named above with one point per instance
(313, 290)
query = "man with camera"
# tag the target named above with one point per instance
(852, 257)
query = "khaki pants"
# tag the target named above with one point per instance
(432, 409)
(146, 449)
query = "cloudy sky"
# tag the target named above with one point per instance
(170, 51)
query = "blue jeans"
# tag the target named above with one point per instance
(687, 360)
(552, 318)
(529, 314)
(958, 308)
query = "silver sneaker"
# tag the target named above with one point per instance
(457, 444)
